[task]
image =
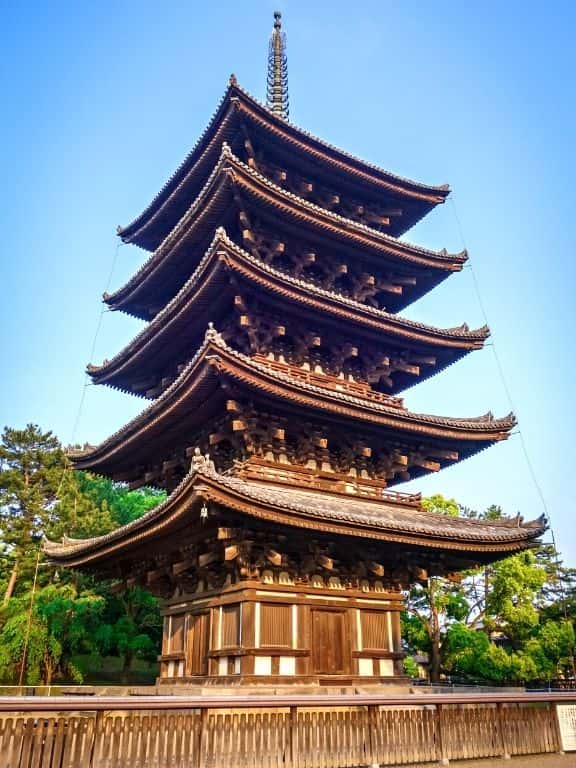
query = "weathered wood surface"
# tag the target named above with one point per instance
(272, 732)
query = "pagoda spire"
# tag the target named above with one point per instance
(277, 83)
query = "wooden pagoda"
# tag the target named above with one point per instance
(273, 358)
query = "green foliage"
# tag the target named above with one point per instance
(31, 465)
(441, 506)
(410, 667)
(62, 622)
(511, 604)
(70, 615)
(510, 622)
(131, 627)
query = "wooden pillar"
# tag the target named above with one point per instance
(248, 637)
(441, 745)
(396, 642)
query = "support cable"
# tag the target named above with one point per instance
(94, 342)
(508, 394)
(86, 384)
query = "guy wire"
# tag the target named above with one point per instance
(508, 393)
(86, 384)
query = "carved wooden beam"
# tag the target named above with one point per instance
(431, 466)
(231, 552)
(207, 558)
(376, 568)
(274, 557)
(404, 279)
(441, 453)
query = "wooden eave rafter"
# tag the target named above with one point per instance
(237, 107)
(380, 520)
(191, 392)
(189, 308)
(208, 208)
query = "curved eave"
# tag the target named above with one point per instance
(190, 393)
(379, 520)
(187, 311)
(235, 100)
(230, 170)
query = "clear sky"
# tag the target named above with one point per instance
(101, 102)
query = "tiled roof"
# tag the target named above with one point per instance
(460, 338)
(215, 354)
(347, 228)
(378, 518)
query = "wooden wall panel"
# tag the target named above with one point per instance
(275, 625)
(230, 626)
(177, 633)
(374, 630)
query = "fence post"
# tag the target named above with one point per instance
(441, 746)
(201, 738)
(293, 737)
(95, 759)
(500, 710)
(372, 740)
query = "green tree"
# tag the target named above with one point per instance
(49, 617)
(518, 600)
(43, 631)
(31, 466)
(433, 605)
(131, 628)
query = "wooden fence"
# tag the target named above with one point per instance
(273, 732)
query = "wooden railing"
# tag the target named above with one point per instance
(273, 731)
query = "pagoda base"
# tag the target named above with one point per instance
(273, 632)
(302, 685)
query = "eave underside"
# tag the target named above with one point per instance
(232, 190)
(227, 270)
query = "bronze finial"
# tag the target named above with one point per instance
(277, 84)
(232, 80)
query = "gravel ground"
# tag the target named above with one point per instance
(535, 761)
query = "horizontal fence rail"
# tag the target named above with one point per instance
(332, 731)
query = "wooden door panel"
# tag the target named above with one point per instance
(197, 644)
(329, 656)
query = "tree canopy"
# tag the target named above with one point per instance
(49, 618)
(509, 622)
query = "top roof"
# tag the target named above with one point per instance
(238, 108)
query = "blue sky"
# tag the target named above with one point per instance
(102, 101)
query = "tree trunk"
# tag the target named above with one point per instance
(435, 651)
(126, 667)
(11, 583)
(434, 636)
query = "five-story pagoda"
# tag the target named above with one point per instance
(273, 358)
